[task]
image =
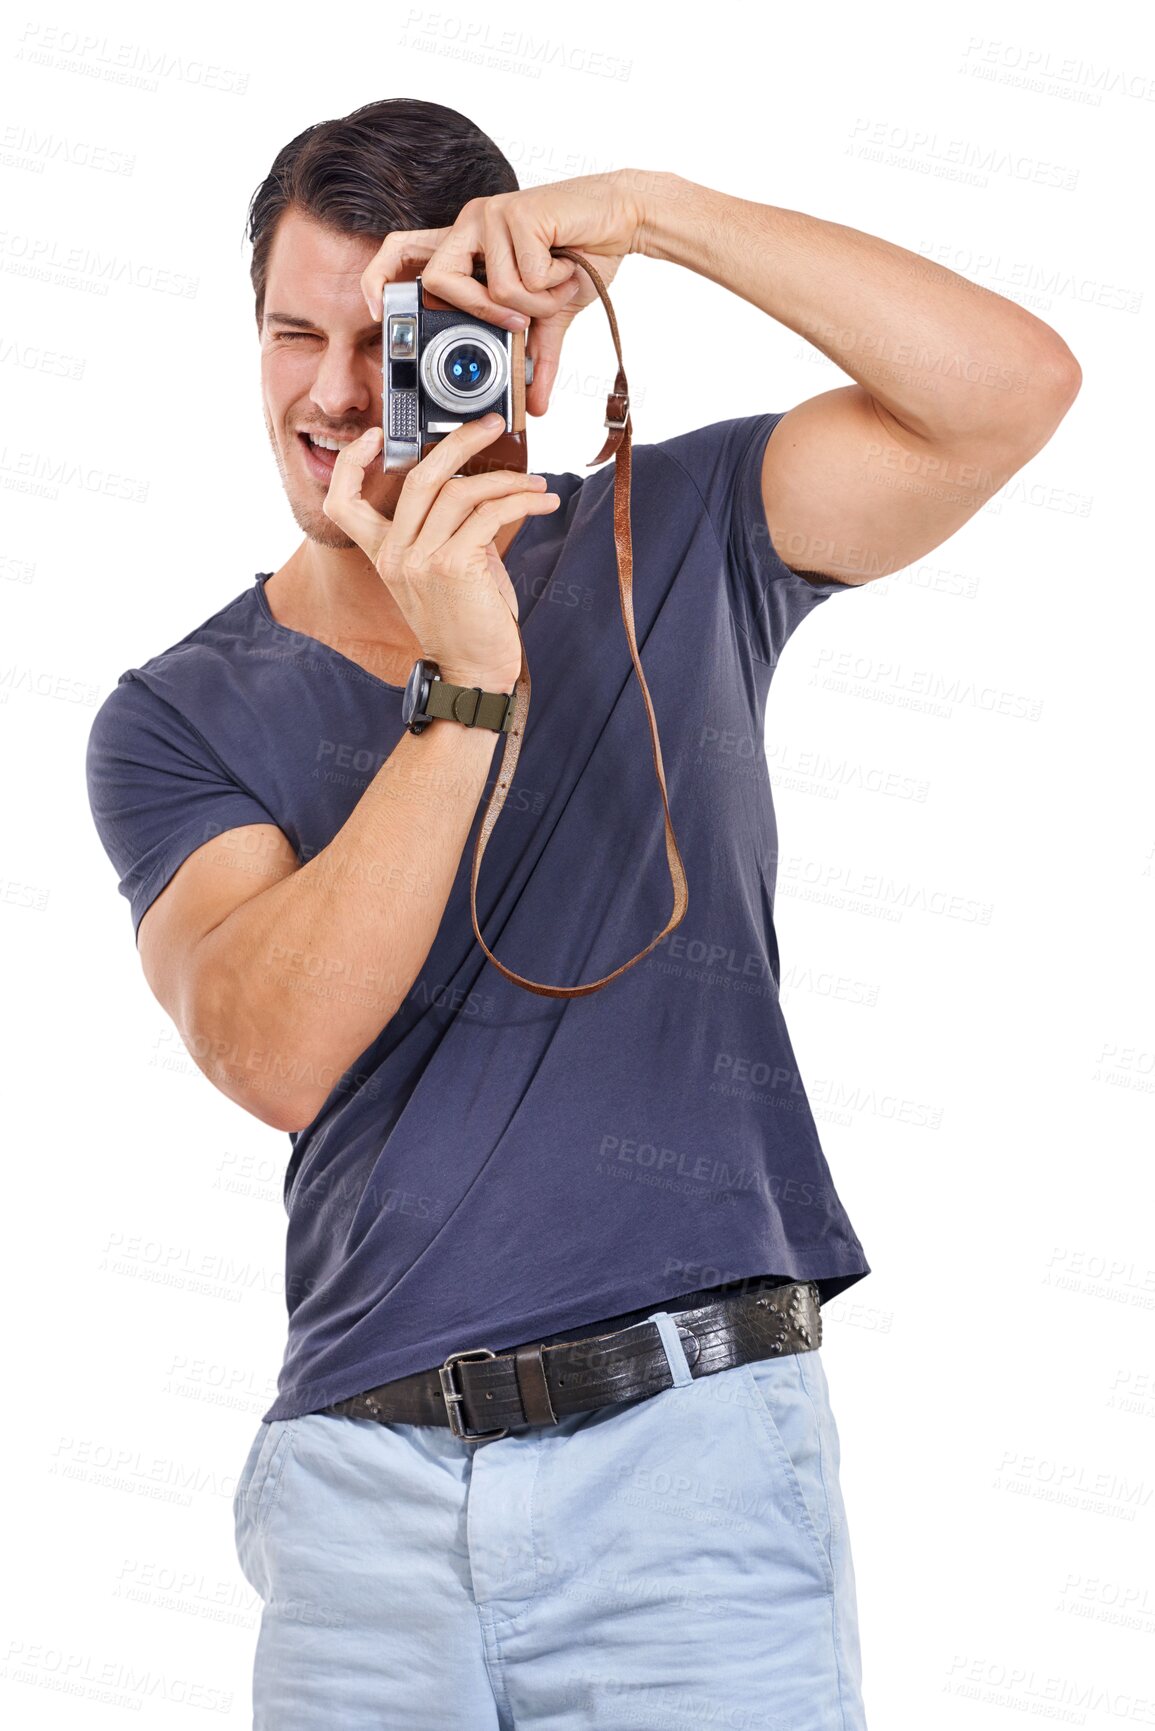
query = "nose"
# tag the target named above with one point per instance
(343, 386)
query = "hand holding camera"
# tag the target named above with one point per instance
(603, 215)
(437, 555)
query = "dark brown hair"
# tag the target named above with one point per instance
(400, 163)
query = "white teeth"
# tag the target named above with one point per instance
(328, 444)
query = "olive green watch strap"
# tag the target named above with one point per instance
(470, 705)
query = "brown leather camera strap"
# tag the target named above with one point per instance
(617, 444)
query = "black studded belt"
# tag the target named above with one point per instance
(482, 1395)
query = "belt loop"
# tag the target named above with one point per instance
(529, 1368)
(672, 1342)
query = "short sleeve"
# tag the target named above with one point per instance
(768, 599)
(157, 791)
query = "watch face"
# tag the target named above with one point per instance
(412, 693)
(416, 695)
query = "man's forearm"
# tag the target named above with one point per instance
(946, 357)
(294, 985)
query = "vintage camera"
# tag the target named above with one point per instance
(442, 367)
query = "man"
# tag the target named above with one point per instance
(631, 1515)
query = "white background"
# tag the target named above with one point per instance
(982, 1086)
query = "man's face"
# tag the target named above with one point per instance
(325, 380)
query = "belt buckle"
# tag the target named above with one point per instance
(453, 1396)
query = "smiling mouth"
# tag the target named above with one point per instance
(321, 461)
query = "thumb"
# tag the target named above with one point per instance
(343, 503)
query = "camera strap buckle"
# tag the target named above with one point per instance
(617, 410)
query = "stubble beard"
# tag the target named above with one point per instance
(305, 499)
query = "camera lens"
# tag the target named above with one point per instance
(466, 367)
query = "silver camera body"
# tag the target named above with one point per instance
(441, 367)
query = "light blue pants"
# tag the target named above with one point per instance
(668, 1563)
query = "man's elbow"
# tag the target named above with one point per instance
(1062, 377)
(242, 1061)
(270, 1105)
(1049, 384)
(294, 1117)
(280, 1115)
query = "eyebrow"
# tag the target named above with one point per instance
(307, 324)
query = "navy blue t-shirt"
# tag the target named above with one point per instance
(498, 1166)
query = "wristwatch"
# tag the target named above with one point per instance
(428, 698)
